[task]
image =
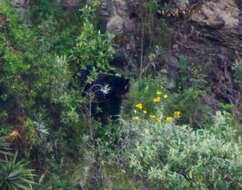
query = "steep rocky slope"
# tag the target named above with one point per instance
(211, 33)
(207, 32)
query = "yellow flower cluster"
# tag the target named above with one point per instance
(158, 92)
(169, 118)
(176, 115)
(140, 106)
(156, 99)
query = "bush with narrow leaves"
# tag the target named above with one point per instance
(14, 175)
(169, 156)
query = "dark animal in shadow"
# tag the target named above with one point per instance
(107, 93)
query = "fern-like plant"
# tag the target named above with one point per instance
(4, 147)
(14, 175)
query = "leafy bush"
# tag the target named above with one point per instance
(42, 9)
(92, 48)
(34, 99)
(169, 156)
(191, 85)
(144, 91)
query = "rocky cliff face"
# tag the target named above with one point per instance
(215, 22)
(219, 21)
(206, 31)
(210, 32)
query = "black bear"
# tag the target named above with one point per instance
(105, 93)
(108, 92)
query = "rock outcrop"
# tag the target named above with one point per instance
(220, 21)
(207, 32)
(211, 33)
(119, 21)
(70, 3)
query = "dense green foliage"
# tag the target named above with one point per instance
(176, 157)
(47, 130)
(97, 52)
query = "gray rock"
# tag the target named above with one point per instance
(71, 3)
(20, 3)
(115, 25)
(180, 4)
(219, 20)
(218, 14)
(116, 14)
(118, 25)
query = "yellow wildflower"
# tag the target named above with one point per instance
(169, 118)
(158, 120)
(152, 116)
(158, 92)
(140, 106)
(177, 114)
(165, 96)
(136, 118)
(144, 111)
(156, 99)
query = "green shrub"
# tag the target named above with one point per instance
(42, 10)
(169, 156)
(92, 47)
(187, 96)
(144, 92)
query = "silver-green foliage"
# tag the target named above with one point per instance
(176, 157)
